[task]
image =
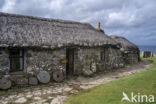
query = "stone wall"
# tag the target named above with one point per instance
(49, 60)
(4, 61)
(131, 58)
(114, 58)
(88, 60)
(85, 58)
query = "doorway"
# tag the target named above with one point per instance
(70, 63)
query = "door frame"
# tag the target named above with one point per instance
(70, 63)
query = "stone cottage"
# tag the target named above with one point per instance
(30, 44)
(131, 52)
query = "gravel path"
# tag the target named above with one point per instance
(58, 92)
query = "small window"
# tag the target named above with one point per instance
(16, 60)
(103, 55)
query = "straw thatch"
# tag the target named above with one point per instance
(28, 31)
(125, 44)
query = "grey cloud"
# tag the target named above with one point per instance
(134, 19)
(1, 3)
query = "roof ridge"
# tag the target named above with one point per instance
(44, 18)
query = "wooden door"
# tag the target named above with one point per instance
(70, 63)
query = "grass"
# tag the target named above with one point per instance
(111, 93)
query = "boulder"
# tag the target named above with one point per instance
(33, 81)
(22, 81)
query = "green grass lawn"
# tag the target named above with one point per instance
(111, 93)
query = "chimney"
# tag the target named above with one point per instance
(98, 26)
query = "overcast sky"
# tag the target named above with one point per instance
(134, 19)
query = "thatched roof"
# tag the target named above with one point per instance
(28, 31)
(125, 44)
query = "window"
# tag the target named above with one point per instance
(103, 55)
(16, 60)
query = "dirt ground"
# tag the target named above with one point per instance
(58, 92)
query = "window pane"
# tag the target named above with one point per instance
(103, 55)
(14, 53)
(21, 53)
(9, 64)
(16, 60)
(15, 64)
(21, 63)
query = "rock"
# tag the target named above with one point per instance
(37, 98)
(93, 67)
(1, 76)
(28, 92)
(67, 89)
(58, 100)
(21, 100)
(55, 101)
(121, 65)
(29, 54)
(42, 101)
(43, 77)
(49, 92)
(7, 76)
(76, 87)
(33, 81)
(4, 102)
(4, 71)
(29, 96)
(58, 76)
(37, 93)
(12, 96)
(50, 97)
(73, 92)
(22, 81)
(20, 95)
(5, 83)
(87, 72)
(46, 103)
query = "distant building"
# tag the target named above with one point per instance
(130, 50)
(147, 54)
